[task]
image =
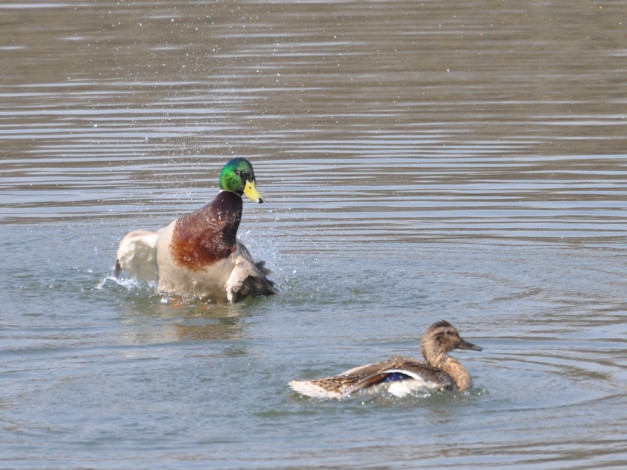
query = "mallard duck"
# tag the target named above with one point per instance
(400, 375)
(198, 255)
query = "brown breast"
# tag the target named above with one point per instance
(209, 234)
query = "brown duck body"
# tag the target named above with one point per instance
(400, 375)
(376, 377)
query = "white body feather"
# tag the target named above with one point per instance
(145, 255)
(137, 255)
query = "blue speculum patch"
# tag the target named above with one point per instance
(394, 376)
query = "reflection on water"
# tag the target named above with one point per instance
(171, 320)
(420, 160)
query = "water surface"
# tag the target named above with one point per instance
(420, 161)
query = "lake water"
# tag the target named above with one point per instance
(420, 161)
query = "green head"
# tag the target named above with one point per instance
(238, 177)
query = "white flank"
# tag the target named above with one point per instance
(137, 254)
(400, 388)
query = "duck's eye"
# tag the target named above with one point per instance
(448, 336)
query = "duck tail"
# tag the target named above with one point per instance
(264, 284)
(249, 279)
(310, 389)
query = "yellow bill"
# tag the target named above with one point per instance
(252, 192)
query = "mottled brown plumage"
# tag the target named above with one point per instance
(399, 375)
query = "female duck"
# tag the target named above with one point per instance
(400, 375)
(198, 255)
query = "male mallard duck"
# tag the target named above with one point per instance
(400, 375)
(198, 254)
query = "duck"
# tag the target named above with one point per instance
(198, 255)
(401, 375)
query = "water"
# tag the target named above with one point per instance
(420, 161)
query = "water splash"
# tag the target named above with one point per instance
(129, 284)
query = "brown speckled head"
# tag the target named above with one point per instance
(440, 339)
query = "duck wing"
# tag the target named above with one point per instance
(428, 376)
(248, 278)
(137, 255)
(397, 369)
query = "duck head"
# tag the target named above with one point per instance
(238, 177)
(441, 338)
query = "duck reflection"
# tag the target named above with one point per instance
(169, 321)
